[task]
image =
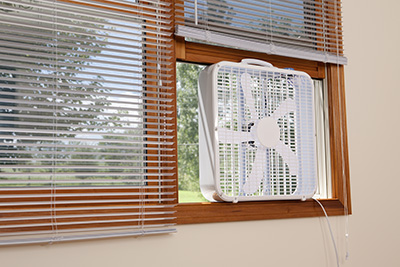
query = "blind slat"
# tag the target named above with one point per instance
(72, 202)
(103, 154)
(61, 125)
(71, 216)
(88, 236)
(103, 229)
(84, 146)
(59, 223)
(135, 93)
(114, 82)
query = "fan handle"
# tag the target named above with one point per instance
(251, 61)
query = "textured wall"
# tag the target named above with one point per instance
(373, 97)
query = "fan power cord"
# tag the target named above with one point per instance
(330, 230)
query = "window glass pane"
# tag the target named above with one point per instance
(324, 189)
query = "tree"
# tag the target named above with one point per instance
(50, 86)
(220, 12)
(188, 137)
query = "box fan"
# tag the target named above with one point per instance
(256, 132)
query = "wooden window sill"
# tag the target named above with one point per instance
(206, 212)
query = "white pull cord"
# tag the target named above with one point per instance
(196, 17)
(330, 230)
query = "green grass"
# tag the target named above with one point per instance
(189, 196)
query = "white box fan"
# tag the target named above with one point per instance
(256, 132)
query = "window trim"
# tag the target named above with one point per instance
(206, 212)
(122, 213)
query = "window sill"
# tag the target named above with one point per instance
(206, 212)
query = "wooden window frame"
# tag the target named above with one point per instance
(211, 212)
(120, 207)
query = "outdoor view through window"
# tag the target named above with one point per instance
(188, 137)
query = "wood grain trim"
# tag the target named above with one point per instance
(209, 54)
(338, 134)
(189, 213)
(173, 48)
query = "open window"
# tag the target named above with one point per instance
(332, 144)
(302, 35)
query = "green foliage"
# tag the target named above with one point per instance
(188, 138)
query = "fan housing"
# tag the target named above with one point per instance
(256, 132)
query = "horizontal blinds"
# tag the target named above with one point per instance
(86, 120)
(307, 29)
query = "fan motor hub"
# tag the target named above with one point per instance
(268, 132)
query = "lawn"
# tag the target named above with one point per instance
(189, 196)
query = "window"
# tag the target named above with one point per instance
(88, 133)
(295, 34)
(87, 120)
(199, 53)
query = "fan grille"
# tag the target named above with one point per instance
(244, 97)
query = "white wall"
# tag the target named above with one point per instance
(373, 97)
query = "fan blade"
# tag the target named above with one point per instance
(289, 157)
(246, 82)
(286, 106)
(234, 137)
(254, 179)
